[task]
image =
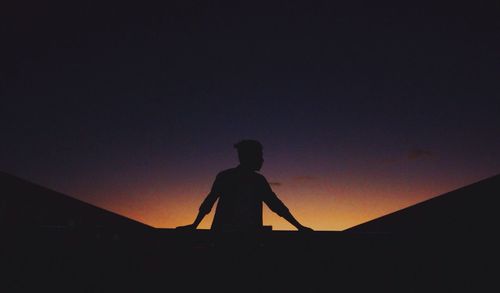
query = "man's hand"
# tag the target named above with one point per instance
(190, 227)
(304, 229)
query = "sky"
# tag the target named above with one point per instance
(363, 108)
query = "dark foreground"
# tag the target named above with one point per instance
(175, 261)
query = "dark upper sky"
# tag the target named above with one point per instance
(105, 101)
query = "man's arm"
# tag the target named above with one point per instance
(290, 218)
(277, 206)
(205, 207)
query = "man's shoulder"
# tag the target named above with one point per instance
(259, 176)
(226, 172)
(236, 170)
(259, 179)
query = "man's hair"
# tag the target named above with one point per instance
(248, 148)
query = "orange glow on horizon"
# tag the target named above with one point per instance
(322, 205)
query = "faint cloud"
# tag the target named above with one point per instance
(275, 183)
(416, 154)
(305, 178)
(390, 161)
(410, 155)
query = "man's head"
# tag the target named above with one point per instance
(250, 154)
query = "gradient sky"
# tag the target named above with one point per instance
(363, 108)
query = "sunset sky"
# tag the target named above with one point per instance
(363, 108)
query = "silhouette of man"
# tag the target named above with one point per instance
(241, 192)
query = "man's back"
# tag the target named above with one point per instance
(241, 193)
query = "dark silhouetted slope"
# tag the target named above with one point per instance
(25, 205)
(468, 209)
